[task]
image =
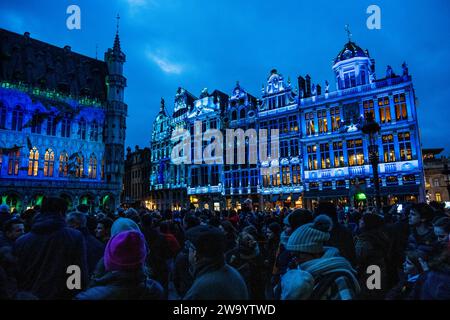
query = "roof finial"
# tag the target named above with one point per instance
(161, 109)
(117, 25)
(349, 34)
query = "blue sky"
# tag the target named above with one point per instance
(214, 43)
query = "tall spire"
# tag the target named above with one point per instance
(349, 34)
(162, 108)
(116, 39)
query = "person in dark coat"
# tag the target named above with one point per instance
(372, 247)
(95, 248)
(340, 237)
(45, 253)
(214, 279)
(125, 277)
(4, 214)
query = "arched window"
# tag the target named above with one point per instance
(94, 131)
(51, 126)
(92, 170)
(234, 115)
(17, 119)
(82, 129)
(65, 127)
(80, 167)
(49, 162)
(33, 162)
(242, 114)
(63, 164)
(13, 162)
(2, 116)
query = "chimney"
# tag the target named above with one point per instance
(319, 89)
(301, 85)
(308, 86)
(27, 35)
(67, 48)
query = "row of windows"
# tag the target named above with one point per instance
(205, 175)
(67, 166)
(284, 125)
(41, 124)
(284, 175)
(355, 152)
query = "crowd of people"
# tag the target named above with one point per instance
(194, 254)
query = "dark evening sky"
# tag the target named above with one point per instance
(213, 43)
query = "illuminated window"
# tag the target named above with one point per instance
(283, 125)
(49, 161)
(322, 121)
(401, 112)
(325, 155)
(438, 197)
(384, 109)
(63, 164)
(13, 163)
(335, 118)
(338, 154)
(286, 175)
(266, 178)
(368, 109)
(293, 123)
(296, 174)
(17, 119)
(33, 162)
(355, 152)
(82, 129)
(312, 157)
(404, 141)
(276, 176)
(388, 148)
(284, 148)
(80, 166)
(309, 119)
(92, 170)
(349, 79)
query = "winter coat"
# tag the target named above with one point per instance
(182, 278)
(45, 253)
(95, 249)
(216, 280)
(342, 239)
(123, 285)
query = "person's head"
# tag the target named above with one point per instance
(273, 230)
(228, 228)
(76, 220)
(84, 208)
(13, 228)
(442, 229)
(123, 224)
(297, 218)
(4, 209)
(246, 242)
(412, 265)
(103, 230)
(371, 221)
(54, 205)
(205, 243)
(419, 214)
(307, 241)
(247, 205)
(190, 220)
(126, 251)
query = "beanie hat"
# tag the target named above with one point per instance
(123, 224)
(311, 236)
(275, 228)
(125, 251)
(208, 241)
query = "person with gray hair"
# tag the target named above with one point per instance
(95, 248)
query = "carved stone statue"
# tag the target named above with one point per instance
(405, 69)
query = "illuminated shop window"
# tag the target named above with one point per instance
(355, 152)
(384, 110)
(325, 155)
(404, 141)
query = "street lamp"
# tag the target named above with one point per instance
(371, 128)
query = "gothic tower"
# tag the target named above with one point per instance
(116, 112)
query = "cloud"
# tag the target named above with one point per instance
(12, 21)
(164, 64)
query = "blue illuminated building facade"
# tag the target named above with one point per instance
(323, 154)
(62, 124)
